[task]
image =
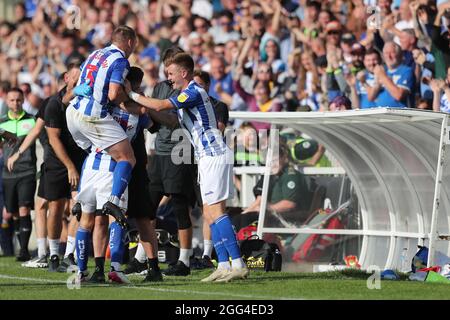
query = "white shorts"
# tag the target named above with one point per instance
(95, 189)
(87, 131)
(216, 177)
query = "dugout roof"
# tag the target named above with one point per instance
(397, 161)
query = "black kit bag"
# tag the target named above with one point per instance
(168, 246)
(260, 255)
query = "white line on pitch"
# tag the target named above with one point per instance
(208, 293)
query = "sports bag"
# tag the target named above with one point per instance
(261, 255)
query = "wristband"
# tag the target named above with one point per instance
(133, 96)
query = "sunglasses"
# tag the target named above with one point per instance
(333, 32)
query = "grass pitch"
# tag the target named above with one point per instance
(17, 282)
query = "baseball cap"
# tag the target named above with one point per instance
(305, 149)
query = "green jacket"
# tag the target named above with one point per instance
(26, 164)
(290, 185)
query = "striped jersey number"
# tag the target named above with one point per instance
(90, 70)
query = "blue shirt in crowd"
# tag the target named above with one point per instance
(402, 76)
(226, 83)
(364, 102)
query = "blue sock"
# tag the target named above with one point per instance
(82, 241)
(222, 254)
(115, 243)
(228, 235)
(121, 177)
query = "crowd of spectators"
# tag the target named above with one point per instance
(262, 56)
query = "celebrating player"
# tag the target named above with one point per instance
(215, 160)
(95, 186)
(89, 121)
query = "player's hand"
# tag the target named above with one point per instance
(76, 211)
(74, 177)
(83, 90)
(11, 161)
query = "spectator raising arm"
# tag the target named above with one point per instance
(351, 81)
(397, 92)
(437, 85)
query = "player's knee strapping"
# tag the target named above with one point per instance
(181, 209)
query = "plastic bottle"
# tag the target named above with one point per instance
(404, 260)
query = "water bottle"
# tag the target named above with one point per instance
(404, 260)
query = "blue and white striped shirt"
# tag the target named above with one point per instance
(196, 115)
(102, 67)
(99, 160)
